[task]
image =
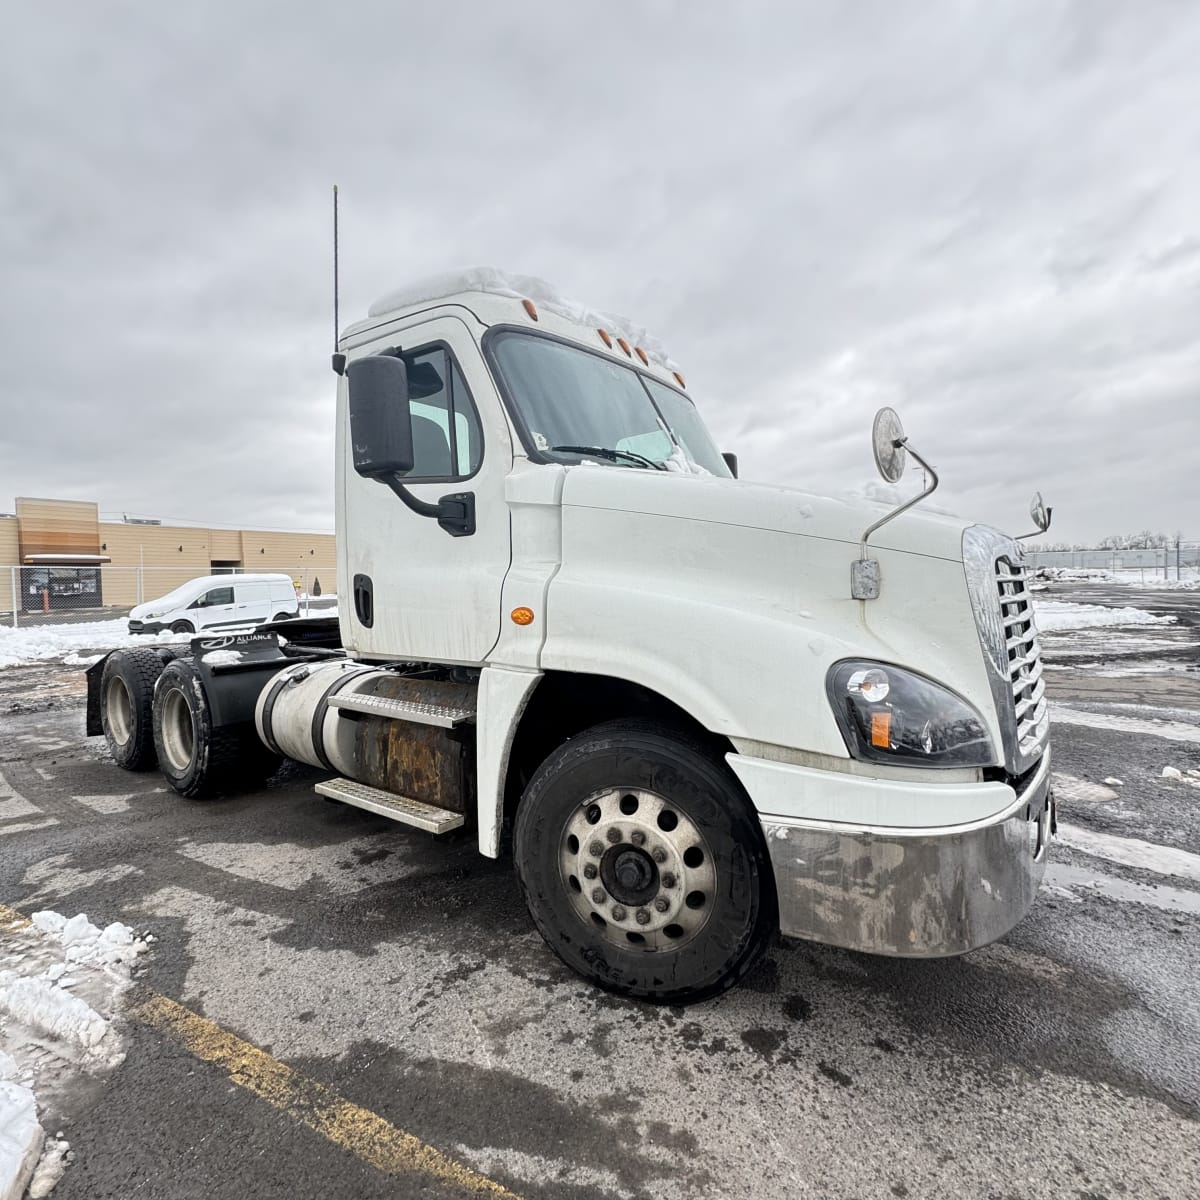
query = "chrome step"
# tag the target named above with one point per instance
(388, 804)
(416, 711)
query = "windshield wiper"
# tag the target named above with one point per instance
(611, 455)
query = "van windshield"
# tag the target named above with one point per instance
(570, 397)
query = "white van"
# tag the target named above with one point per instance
(218, 602)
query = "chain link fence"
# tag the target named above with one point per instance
(47, 595)
(1179, 561)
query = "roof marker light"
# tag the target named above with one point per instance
(529, 308)
(605, 338)
(625, 346)
(642, 355)
(679, 379)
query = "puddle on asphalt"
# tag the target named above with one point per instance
(1080, 879)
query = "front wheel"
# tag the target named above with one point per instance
(643, 864)
(183, 627)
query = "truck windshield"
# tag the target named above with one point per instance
(567, 396)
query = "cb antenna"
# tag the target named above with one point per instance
(339, 359)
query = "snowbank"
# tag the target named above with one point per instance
(1054, 615)
(43, 643)
(60, 983)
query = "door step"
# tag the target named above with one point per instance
(387, 804)
(417, 711)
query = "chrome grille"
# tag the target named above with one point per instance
(1003, 610)
(1024, 656)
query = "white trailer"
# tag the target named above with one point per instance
(700, 709)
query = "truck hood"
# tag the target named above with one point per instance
(763, 506)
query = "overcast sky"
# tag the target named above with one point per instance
(986, 215)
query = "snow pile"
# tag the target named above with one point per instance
(1054, 615)
(520, 287)
(60, 984)
(42, 643)
(20, 1134)
(681, 464)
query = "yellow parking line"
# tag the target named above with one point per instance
(364, 1133)
(11, 920)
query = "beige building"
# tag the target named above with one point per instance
(61, 555)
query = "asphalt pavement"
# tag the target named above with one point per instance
(401, 974)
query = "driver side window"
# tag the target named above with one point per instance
(447, 443)
(214, 597)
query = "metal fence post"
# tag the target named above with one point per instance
(12, 587)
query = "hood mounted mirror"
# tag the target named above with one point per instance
(890, 445)
(1039, 514)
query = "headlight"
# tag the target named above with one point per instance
(889, 715)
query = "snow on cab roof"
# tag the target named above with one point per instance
(494, 282)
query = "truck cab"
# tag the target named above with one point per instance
(569, 627)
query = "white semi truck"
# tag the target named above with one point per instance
(699, 709)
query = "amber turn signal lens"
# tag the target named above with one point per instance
(605, 338)
(881, 729)
(522, 616)
(530, 309)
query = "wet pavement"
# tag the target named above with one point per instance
(403, 973)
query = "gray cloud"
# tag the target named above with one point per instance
(983, 214)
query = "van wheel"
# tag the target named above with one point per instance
(126, 697)
(643, 864)
(183, 627)
(282, 617)
(198, 760)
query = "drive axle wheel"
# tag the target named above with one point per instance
(643, 864)
(198, 760)
(126, 696)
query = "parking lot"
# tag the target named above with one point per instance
(335, 1005)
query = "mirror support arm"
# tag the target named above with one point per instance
(1036, 532)
(420, 507)
(933, 482)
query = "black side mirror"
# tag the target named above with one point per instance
(730, 461)
(380, 421)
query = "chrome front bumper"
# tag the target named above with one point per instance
(915, 892)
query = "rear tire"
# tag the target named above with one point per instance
(183, 627)
(282, 617)
(126, 701)
(197, 760)
(643, 864)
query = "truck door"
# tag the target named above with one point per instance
(409, 589)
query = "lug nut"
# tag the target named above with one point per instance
(668, 880)
(659, 855)
(638, 838)
(643, 917)
(662, 904)
(598, 896)
(618, 913)
(589, 871)
(614, 835)
(596, 848)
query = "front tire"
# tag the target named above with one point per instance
(126, 701)
(643, 864)
(183, 627)
(197, 760)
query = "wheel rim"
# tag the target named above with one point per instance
(178, 730)
(118, 707)
(638, 870)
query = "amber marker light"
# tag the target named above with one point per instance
(642, 355)
(679, 379)
(605, 338)
(881, 729)
(522, 616)
(529, 308)
(624, 346)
